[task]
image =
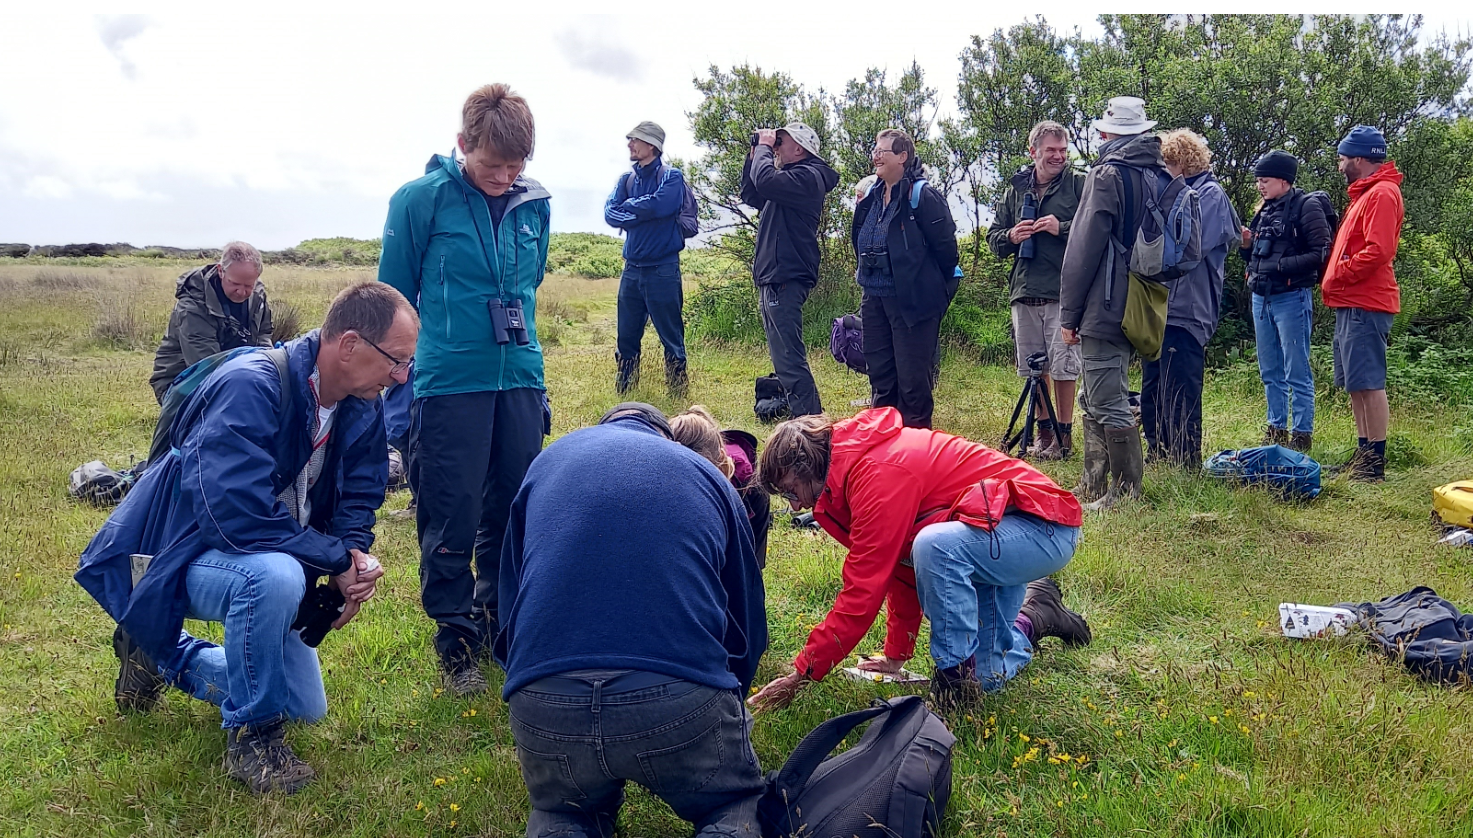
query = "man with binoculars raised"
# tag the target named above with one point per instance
(467, 243)
(1031, 224)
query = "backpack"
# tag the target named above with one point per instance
(1453, 503)
(185, 383)
(101, 486)
(1167, 245)
(689, 217)
(894, 783)
(772, 399)
(1331, 216)
(846, 343)
(1284, 471)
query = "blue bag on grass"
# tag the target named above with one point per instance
(1283, 470)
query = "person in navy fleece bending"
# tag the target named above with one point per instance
(633, 617)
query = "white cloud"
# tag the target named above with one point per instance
(116, 31)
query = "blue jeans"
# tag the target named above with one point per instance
(651, 294)
(971, 585)
(264, 672)
(1281, 324)
(689, 744)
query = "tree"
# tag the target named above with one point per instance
(869, 106)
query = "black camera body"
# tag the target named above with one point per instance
(1029, 212)
(320, 608)
(508, 322)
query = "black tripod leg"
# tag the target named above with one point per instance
(1008, 438)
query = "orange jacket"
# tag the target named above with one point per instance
(885, 483)
(1360, 274)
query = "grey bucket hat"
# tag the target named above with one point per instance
(650, 133)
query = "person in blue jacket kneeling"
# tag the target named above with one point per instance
(263, 492)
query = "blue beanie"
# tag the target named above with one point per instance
(1364, 141)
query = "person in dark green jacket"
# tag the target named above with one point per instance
(467, 244)
(1053, 189)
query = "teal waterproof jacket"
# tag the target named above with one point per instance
(441, 250)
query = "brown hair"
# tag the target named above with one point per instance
(900, 143)
(798, 448)
(1046, 128)
(494, 114)
(699, 431)
(1186, 150)
(367, 308)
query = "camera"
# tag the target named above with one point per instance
(507, 322)
(875, 260)
(1029, 212)
(319, 609)
(1037, 361)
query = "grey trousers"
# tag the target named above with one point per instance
(1104, 391)
(782, 319)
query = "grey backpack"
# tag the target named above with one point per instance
(894, 783)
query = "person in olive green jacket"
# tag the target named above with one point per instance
(1053, 188)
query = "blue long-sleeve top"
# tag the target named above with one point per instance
(647, 210)
(628, 551)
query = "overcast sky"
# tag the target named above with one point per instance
(191, 130)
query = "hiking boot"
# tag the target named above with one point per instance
(956, 687)
(464, 679)
(628, 376)
(677, 378)
(258, 756)
(1092, 482)
(1127, 466)
(1351, 465)
(1370, 467)
(139, 683)
(1275, 436)
(1047, 446)
(1066, 440)
(1044, 606)
(1301, 441)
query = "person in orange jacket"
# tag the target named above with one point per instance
(934, 523)
(1360, 285)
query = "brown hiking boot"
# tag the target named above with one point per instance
(464, 679)
(139, 683)
(628, 376)
(1301, 441)
(1093, 481)
(1043, 605)
(1047, 446)
(1369, 467)
(1275, 436)
(1127, 466)
(258, 756)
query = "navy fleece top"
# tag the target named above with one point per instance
(628, 551)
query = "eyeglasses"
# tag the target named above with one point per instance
(789, 497)
(877, 152)
(398, 365)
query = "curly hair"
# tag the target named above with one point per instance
(798, 449)
(1187, 151)
(699, 431)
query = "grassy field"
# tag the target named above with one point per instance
(1189, 715)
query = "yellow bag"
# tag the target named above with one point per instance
(1144, 323)
(1453, 503)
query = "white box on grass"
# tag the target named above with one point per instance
(1310, 621)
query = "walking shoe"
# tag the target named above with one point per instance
(258, 756)
(1127, 466)
(1275, 436)
(628, 376)
(1047, 446)
(139, 683)
(1369, 468)
(464, 679)
(1351, 465)
(1093, 481)
(956, 687)
(677, 377)
(1044, 606)
(1301, 441)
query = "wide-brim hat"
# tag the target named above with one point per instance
(1124, 115)
(803, 136)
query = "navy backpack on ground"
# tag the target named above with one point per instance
(846, 343)
(894, 783)
(1425, 632)
(1283, 470)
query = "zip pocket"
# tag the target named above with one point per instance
(442, 270)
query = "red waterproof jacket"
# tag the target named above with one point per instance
(885, 483)
(1360, 273)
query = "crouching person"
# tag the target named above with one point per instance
(633, 617)
(935, 524)
(273, 480)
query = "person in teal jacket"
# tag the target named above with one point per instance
(467, 244)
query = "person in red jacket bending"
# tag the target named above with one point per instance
(1360, 285)
(933, 523)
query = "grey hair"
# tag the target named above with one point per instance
(1046, 128)
(240, 252)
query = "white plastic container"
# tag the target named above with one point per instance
(1307, 621)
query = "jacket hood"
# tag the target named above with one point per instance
(826, 172)
(522, 190)
(1141, 150)
(1387, 173)
(855, 436)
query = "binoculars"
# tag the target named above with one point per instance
(507, 322)
(777, 143)
(1029, 212)
(875, 260)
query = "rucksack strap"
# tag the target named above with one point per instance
(818, 744)
(277, 354)
(915, 193)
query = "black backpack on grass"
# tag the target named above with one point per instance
(771, 402)
(894, 783)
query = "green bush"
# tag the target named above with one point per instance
(1421, 370)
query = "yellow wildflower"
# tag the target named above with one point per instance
(439, 781)
(455, 807)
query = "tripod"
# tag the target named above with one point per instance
(1034, 391)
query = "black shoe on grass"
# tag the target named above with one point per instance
(1044, 606)
(139, 683)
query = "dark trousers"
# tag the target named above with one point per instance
(782, 319)
(651, 295)
(471, 451)
(901, 359)
(689, 744)
(1171, 398)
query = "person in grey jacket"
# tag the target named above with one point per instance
(1092, 291)
(218, 307)
(1171, 386)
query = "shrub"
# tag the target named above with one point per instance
(286, 321)
(122, 324)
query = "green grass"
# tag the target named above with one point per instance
(1189, 715)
